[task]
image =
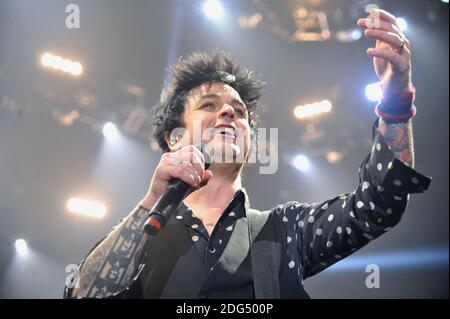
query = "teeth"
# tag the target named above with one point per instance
(227, 131)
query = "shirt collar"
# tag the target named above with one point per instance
(185, 214)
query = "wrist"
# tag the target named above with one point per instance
(397, 107)
(148, 201)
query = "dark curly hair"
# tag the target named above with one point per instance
(195, 70)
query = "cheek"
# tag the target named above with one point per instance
(245, 127)
(245, 131)
(196, 123)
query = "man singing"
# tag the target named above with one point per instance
(215, 245)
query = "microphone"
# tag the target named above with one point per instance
(171, 198)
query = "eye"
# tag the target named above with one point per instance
(241, 112)
(207, 106)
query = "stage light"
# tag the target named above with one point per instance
(334, 157)
(76, 68)
(348, 35)
(402, 24)
(110, 132)
(250, 22)
(56, 62)
(21, 247)
(69, 118)
(301, 162)
(356, 34)
(309, 110)
(213, 9)
(86, 207)
(374, 92)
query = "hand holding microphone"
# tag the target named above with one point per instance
(176, 176)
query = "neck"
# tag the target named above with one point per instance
(209, 201)
(220, 189)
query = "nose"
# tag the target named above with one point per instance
(226, 111)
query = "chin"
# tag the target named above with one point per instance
(225, 150)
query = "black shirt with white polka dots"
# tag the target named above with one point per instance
(186, 263)
(183, 261)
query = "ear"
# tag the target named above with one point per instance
(170, 143)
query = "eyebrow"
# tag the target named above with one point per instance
(216, 97)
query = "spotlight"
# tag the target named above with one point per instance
(301, 162)
(356, 34)
(334, 157)
(402, 24)
(309, 110)
(110, 132)
(348, 35)
(213, 9)
(86, 207)
(374, 92)
(21, 247)
(55, 62)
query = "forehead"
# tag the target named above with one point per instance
(218, 88)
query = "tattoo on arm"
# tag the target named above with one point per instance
(111, 265)
(399, 137)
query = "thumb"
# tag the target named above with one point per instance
(206, 177)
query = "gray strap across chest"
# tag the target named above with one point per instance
(265, 254)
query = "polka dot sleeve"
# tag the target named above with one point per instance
(320, 234)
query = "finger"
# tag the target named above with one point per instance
(383, 25)
(198, 164)
(187, 174)
(193, 155)
(172, 161)
(389, 55)
(384, 15)
(187, 154)
(388, 37)
(206, 177)
(184, 171)
(193, 149)
(192, 158)
(197, 175)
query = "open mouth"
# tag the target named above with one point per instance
(226, 132)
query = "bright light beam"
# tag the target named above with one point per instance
(56, 62)
(301, 162)
(86, 207)
(110, 132)
(21, 247)
(402, 24)
(374, 92)
(314, 109)
(213, 9)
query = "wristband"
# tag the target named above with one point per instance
(397, 107)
